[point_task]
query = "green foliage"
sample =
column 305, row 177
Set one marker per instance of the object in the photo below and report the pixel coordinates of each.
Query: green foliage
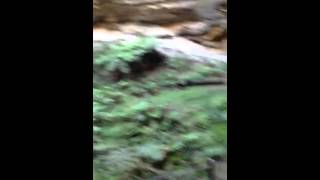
column 142, row 130
column 117, row 57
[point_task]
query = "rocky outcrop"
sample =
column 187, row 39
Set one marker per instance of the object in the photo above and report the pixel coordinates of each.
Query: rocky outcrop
column 202, row 24
column 159, row 11
column 147, row 11
column 204, row 21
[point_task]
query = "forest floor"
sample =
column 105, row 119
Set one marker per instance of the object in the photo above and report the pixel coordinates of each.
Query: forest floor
column 205, row 98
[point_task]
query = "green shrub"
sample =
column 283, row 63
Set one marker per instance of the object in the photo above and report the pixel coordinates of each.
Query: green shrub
column 141, row 130
column 118, row 56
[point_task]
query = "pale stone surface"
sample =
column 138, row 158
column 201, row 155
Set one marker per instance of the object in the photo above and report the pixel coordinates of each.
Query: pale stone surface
column 194, row 29
column 169, row 47
column 111, row 36
column 146, row 30
column 181, row 47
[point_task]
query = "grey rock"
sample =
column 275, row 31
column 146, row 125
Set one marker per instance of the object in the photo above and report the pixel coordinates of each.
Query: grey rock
column 194, row 29
column 181, row 47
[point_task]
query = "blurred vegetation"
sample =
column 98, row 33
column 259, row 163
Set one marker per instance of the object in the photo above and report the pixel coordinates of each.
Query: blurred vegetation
column 145, row 131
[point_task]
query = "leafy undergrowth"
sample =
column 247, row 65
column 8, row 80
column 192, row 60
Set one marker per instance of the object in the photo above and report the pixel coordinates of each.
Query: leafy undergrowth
column 144, row 131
